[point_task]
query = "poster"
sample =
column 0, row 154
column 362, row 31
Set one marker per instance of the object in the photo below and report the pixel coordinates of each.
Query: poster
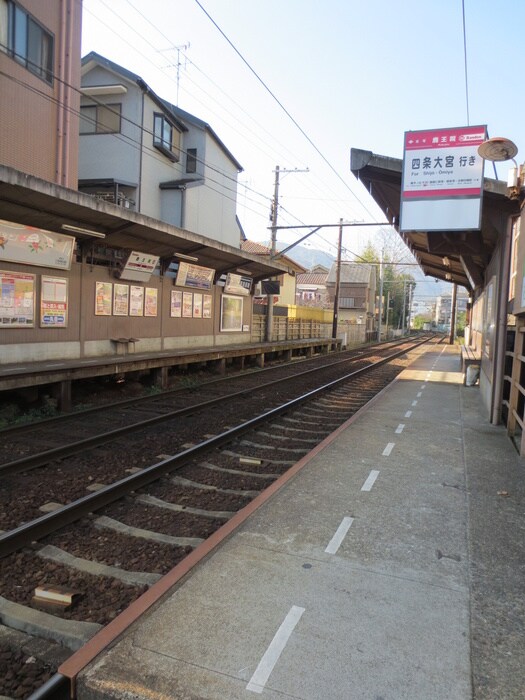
column 194, row 276
column 197, row 305
column 150, row 302
column 206, row 306
column 103, row 292
column 53, row 302
column 120, row 299
column 17, row 300
column 231, row 313
column 35, row 246
column 187, row 305
column 176, row 304
column 136, row 301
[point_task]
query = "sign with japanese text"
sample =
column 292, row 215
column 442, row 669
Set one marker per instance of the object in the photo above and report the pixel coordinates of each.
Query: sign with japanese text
column 53, row 302
column 194, row 276
column 442, row 179
column 237, row 284
column 17, row 300
column 35, row 246
column 139, row 267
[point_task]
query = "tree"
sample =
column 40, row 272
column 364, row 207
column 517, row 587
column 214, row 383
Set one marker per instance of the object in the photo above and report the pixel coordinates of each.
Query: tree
column 396, row 286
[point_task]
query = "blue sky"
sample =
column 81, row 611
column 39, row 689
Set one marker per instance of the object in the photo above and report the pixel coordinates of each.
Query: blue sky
column 350, row 73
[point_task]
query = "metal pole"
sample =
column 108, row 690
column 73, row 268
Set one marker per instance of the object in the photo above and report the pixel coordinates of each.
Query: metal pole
column 273, row 248
column 380, row 306
column 403, row 320
column 453, row 314
column 337, row 281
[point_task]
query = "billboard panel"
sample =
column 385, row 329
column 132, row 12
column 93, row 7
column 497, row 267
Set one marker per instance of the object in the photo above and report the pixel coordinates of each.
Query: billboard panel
column 442, row 179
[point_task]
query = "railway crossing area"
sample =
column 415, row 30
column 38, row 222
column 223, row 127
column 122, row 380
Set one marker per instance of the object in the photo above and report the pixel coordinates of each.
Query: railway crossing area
column 387, row 564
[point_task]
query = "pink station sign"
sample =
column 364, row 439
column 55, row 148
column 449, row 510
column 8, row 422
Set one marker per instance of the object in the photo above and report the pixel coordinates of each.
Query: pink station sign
column 442, row 179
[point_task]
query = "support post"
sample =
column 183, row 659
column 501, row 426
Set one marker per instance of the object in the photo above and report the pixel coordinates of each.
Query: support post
column 337, row 280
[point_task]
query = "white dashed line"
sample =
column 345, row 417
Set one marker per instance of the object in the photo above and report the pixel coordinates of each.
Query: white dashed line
column 408, row 414
column 339, row 536
column 274, row 651
column 370, row 481
column 414, row 403
column 399, row 428
column 419, row 394
column 388, row 449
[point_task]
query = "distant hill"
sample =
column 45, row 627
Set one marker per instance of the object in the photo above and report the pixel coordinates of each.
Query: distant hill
column 308, row 257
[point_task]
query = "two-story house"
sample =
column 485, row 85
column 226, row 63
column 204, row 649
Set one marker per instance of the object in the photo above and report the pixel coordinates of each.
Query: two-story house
column 357, row 286
column 146, row 154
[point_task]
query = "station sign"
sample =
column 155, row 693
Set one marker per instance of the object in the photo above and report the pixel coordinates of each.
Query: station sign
column 238, row 284
column 138, row 267
column 442, row 179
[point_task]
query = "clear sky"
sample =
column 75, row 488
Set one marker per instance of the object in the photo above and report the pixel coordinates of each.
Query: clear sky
column 349, row 73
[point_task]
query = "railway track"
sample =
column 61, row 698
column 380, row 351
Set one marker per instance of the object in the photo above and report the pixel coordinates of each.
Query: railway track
column 119, row 535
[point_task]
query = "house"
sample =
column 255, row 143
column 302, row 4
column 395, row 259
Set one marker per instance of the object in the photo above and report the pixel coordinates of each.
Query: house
column 356, row 294
column 146, row 154
column 311, row 288
column 39, row 67
column 287, row 281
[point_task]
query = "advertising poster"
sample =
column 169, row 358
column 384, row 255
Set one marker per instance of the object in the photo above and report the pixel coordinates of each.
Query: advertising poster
column 206, row 306
column 103, row 292
column 120, row 299
column 197, row 306
column 17, row 300
column 35, row 246
column 187, row 305
column 231, row 313
column 150, row 302
column 136, row 301
column 176, row 304
column 53, row 302
column 194, row 276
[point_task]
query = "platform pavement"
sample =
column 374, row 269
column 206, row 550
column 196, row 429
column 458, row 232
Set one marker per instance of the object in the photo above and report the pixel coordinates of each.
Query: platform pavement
column 384, row 570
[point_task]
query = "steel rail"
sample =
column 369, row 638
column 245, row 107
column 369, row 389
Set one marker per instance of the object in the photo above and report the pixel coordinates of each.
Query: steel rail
column 40, row 459
column 23, row 535
column 20, row 427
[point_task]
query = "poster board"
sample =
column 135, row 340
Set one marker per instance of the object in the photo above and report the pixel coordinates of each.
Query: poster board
column 53, row 302
column 17, row 300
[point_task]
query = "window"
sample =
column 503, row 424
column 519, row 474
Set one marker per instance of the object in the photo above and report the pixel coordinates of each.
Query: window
column 165, row 137
column 100, row 119
column 191, row 160
column 27, row 41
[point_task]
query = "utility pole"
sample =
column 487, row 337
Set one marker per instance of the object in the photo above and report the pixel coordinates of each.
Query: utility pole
column 337, row 280
column 273, row 250
column 273, row 245
column 380, row 306
column 453, row 314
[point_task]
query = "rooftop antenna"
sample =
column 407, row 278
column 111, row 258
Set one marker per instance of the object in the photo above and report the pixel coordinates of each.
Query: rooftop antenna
column 178, row 64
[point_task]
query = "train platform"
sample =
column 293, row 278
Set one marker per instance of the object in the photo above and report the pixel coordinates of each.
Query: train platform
column 387, row 565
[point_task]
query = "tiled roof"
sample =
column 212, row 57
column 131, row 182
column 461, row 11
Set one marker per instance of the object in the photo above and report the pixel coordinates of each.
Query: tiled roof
column 351, row 273
column 315, row 278
column 259, row 249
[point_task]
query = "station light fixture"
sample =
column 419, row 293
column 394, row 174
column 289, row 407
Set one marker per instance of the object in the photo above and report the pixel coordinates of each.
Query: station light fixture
column 86, row 231
column 183, row 256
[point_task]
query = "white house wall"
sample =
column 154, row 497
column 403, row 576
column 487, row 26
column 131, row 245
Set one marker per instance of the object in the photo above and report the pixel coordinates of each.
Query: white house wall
column 114, row 156
column 156, row 168
column 210, row 208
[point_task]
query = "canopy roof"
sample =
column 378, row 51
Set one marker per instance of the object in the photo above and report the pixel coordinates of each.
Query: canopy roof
column 454, row 256
column 28, row 200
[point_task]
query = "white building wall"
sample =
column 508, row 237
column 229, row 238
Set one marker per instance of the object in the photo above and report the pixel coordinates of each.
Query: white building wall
column 210, row 207
column 114, row 156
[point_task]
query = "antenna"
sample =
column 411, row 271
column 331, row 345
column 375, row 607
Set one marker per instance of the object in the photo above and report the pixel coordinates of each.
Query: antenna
column 178, row 64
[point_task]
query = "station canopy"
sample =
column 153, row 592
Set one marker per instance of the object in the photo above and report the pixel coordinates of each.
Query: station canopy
column 28, row 200
column 453, row 256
